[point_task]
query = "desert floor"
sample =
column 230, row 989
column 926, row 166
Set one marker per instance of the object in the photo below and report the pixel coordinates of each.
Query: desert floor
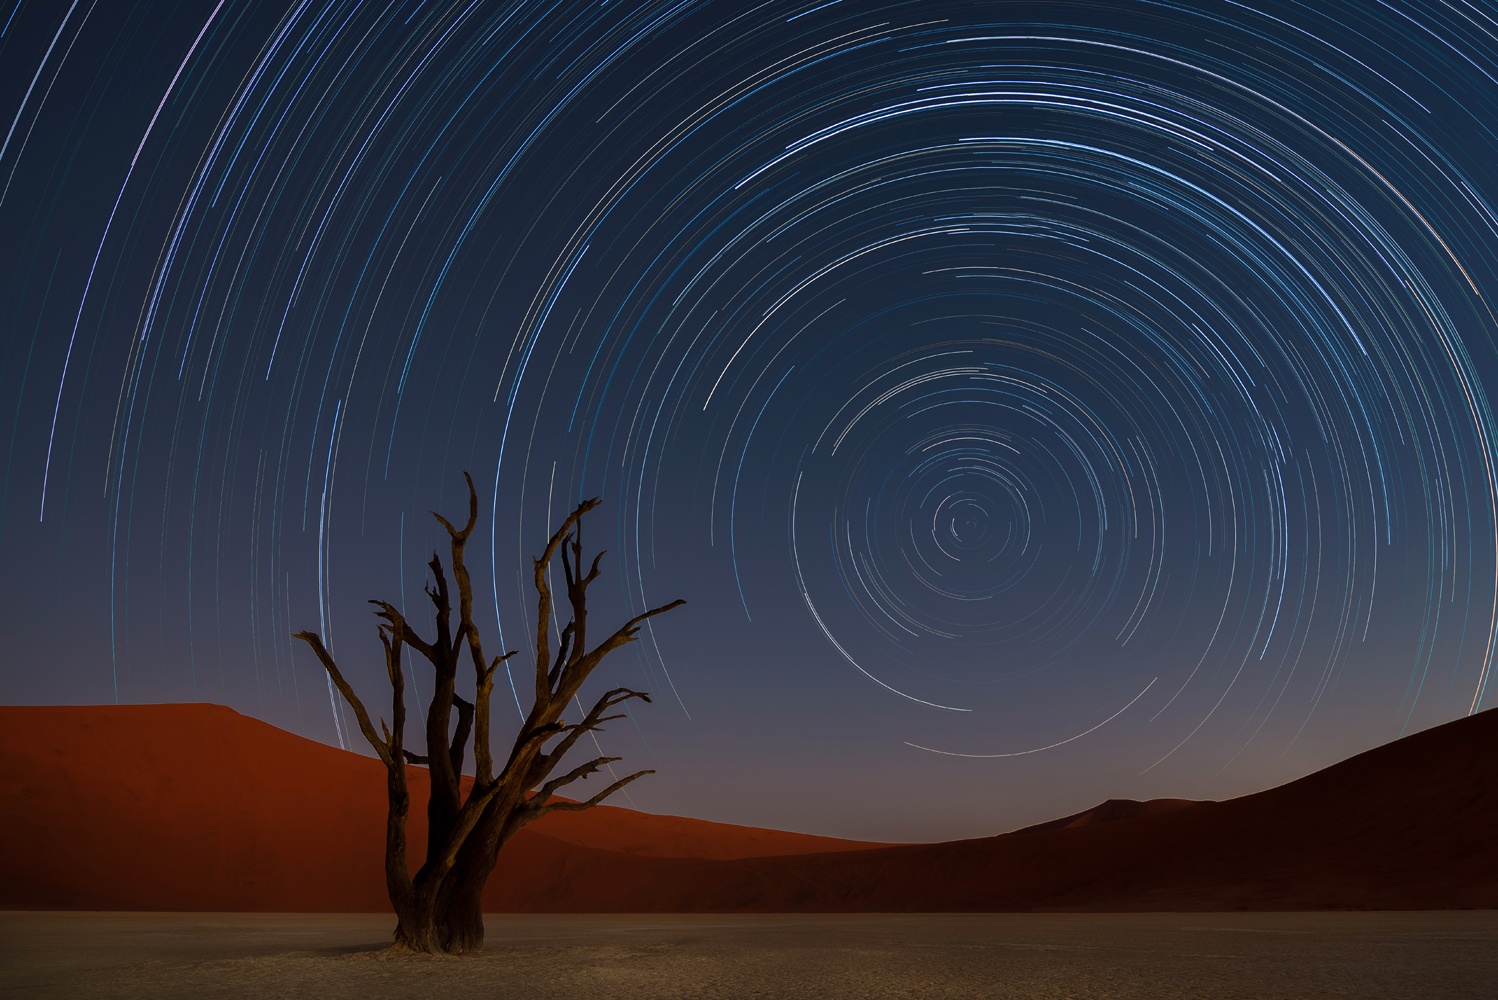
column 1363, row 955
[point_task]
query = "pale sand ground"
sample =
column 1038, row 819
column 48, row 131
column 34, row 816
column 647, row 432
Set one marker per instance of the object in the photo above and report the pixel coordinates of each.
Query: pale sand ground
column 1262, row 955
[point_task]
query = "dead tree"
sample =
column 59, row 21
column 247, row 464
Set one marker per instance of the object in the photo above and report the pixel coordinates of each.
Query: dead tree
column 439, row 909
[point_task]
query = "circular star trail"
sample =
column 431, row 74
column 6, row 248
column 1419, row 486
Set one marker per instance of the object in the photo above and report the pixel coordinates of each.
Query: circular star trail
column 1092, row 389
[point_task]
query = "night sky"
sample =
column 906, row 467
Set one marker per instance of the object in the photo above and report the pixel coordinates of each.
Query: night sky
column 1036, row 402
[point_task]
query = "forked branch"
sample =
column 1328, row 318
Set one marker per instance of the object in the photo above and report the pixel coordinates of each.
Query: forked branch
column 380, row 746
column 592, row 722
column 547, row 807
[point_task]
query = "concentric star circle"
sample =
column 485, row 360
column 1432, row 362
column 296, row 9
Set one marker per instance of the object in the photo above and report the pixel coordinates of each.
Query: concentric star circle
column 1012, row 376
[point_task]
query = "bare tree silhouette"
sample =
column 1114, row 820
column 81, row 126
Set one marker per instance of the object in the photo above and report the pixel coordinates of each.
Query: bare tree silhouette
column 439, row 909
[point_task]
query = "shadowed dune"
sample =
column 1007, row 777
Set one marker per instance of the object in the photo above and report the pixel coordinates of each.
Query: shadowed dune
column 196, row 807
column 1112, row 811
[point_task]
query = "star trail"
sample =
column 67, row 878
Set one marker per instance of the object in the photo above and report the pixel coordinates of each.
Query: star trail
column 1036, row 402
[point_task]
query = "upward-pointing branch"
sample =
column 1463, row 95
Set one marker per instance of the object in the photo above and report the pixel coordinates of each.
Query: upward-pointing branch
column 543, row 609
column 344, row 688
column 584, row 664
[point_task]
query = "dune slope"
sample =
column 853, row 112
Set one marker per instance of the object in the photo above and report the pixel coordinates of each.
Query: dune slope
column 197, row 807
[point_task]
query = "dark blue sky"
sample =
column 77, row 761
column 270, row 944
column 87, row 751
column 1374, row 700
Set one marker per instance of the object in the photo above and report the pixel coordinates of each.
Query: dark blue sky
column 1037, row 403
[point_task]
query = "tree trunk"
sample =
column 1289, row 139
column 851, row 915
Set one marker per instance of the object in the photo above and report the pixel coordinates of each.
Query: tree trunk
column 450, row 924
column 462, row 918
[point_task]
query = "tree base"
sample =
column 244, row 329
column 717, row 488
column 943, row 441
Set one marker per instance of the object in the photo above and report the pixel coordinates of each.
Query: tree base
column 457, row 931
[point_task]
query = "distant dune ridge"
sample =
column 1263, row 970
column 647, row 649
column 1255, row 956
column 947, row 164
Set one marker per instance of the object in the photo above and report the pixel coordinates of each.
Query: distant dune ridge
column 196, row 807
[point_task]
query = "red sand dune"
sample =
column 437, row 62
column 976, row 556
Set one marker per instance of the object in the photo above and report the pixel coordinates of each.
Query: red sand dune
column 197, row 807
